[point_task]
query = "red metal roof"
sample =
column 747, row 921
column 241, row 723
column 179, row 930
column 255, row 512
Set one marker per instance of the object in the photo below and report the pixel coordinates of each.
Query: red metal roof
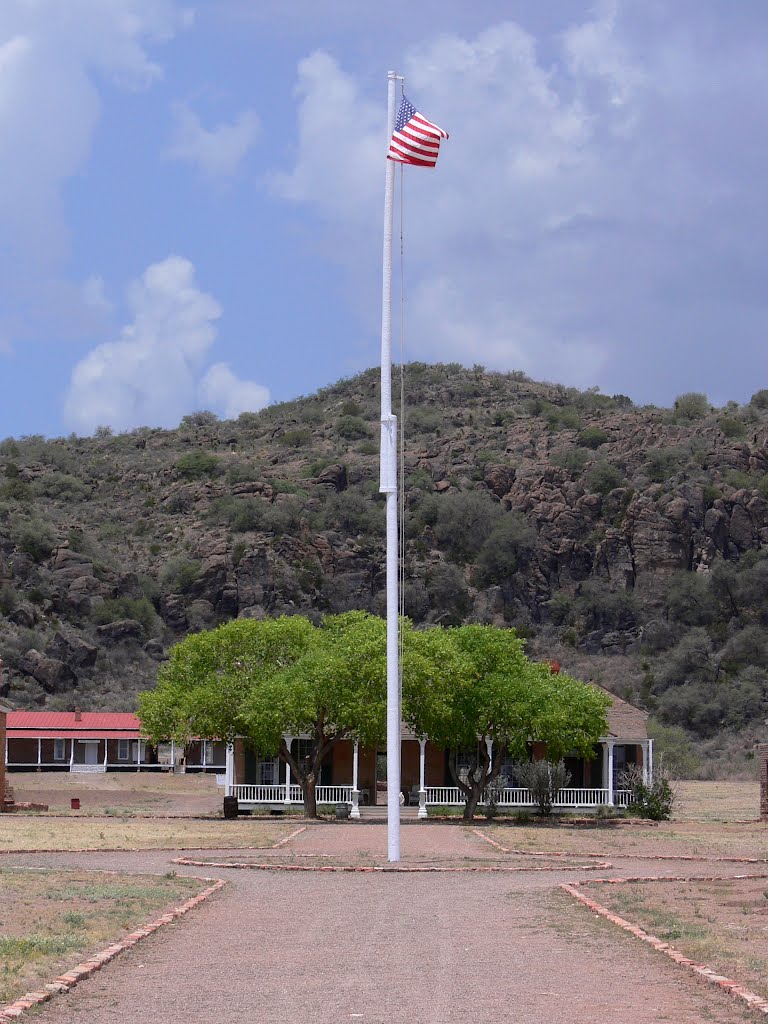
column 64, row 725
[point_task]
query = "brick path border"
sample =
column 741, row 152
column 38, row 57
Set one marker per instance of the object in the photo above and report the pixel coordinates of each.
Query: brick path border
column 733, row 988
column 381, row 868
column 68, row 980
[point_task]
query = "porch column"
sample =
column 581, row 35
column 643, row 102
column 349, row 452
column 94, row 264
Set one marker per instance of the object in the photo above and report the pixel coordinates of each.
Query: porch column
column 106, row 752
column 39, row 753
column 644, row 748
column 355, row 812
column 138, row 755
column 229, row 769
column 173, row 756
column 287, row 800
column 204, row 754
column 610, row 773
column 650, row 761
column 71, row 753
column 422, row 791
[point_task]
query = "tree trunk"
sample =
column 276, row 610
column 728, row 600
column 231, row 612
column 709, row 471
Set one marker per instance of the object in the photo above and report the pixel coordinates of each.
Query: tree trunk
column 308, row 784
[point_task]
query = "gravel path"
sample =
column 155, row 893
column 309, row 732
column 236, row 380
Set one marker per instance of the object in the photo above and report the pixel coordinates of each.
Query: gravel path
column 423, row 948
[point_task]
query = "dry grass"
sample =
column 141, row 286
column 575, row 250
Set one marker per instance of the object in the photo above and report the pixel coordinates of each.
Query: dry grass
column 717, row 801
column 722, row 924
column 48, row 919
column 33, row 832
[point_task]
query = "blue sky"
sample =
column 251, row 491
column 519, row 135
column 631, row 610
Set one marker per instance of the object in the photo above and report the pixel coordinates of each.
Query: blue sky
column 191, row 199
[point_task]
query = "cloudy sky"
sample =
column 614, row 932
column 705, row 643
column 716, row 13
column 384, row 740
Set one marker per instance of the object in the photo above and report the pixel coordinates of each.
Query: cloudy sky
column 191, row 199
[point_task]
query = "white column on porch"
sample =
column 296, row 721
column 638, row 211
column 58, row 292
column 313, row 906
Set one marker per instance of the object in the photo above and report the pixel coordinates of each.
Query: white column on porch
column 39, row 751
column 610, row 773
column 650, row 761
column 288, row 741
column 422, row 765
column 138, row 755
column 71, row 753
column 644, row 748
column 355, row 812
column 173, row 756
column 489, row 748
column 106, row 752
column 229, row 769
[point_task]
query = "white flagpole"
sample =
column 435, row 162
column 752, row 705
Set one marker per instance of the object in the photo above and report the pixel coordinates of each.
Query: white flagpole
column 388, row 486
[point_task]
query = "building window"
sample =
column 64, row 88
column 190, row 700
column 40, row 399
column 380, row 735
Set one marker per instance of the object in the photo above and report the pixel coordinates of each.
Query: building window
column 123, row 750
column 207, row 752
column 303, row 751
column 59, row 750
column 267, row 773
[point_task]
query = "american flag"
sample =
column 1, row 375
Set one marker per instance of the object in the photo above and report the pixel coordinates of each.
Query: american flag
column 415, row 139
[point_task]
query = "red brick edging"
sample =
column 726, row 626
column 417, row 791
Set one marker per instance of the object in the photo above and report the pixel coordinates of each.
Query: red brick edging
column 69, row 979
column 378, row 868
column 733, row 988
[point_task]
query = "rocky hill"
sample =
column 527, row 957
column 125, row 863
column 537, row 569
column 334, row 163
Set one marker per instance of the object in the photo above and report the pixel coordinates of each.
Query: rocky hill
column 629, row 543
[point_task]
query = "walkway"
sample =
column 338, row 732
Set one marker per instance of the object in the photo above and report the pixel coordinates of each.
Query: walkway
column 325, row 948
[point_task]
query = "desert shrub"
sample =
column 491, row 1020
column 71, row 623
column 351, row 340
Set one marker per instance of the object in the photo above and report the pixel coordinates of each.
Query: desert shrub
column 760, row 399
column 689, row 600
column 35, row 538
column 662, row 463
column 449, row 600
column 604, row 477
column 572, row 460
column 543, row 780
column 179, row 575
column 296, row 438
column 140, row 609
column 62, row 486
column 592, row 437
column 464, row 523
column 731, row 426
column 353, row 513
column 201, row 418
column 653, row 799
column 419, row 420
column 673, row 746
column 242, row 472
column 507, row 548
column 352, row 428
column 197, row 464
column 8, row 599
column 600, row 608
column 693, row 405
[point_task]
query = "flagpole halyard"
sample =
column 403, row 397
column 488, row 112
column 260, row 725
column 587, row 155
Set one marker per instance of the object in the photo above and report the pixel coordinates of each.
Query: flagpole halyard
column 388, row 486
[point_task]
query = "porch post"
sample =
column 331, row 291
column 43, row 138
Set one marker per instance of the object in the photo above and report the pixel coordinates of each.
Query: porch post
column 138, row 755
column 610, row 773
column 355, row 812
column 173, row 756
column 106, row 752
column 644, row 748
column 71, row 753
column 39, row 751
column 229, row 770
column 650, row 761
column 287, row 800
column 422, row 791
column 204, row 754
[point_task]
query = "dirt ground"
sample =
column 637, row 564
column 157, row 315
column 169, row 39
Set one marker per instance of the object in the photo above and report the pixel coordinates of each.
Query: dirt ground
column 152, row 793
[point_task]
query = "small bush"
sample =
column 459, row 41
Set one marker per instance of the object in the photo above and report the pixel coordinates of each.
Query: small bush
column 604, row 477
column 760, row 399
column 294, row 438
column 693, row 405
column 35, row 538
column 653, row 799
column 198, row 464
column 352, row 428
column 179, row 575
column 543, row 780
column 731, row 427
column 592, row 437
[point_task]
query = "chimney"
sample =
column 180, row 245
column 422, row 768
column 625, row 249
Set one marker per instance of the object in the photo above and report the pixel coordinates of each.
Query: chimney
column 78, row 715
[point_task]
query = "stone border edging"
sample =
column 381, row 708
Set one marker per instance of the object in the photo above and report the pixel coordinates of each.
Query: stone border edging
column 68, row 980
column 733, row 988
column 284, row 841
column 380, row 869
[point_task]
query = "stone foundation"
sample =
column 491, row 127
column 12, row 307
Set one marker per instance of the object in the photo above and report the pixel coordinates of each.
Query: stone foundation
column 762, row 754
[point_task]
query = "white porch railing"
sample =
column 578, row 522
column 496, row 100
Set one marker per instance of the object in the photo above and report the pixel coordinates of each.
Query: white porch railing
column 91, row 769
column 451, row 796
column 256, row 794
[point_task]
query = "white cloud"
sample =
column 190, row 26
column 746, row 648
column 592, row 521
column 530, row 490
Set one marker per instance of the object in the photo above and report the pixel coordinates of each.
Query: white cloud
column 155, row 373
column 221, row 389
column 586, row 201
column 94, row 294
column 218, row 151
column 50, row 53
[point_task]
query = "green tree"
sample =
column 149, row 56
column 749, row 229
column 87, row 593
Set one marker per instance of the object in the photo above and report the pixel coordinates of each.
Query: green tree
column 472, row 684
column 265, row 680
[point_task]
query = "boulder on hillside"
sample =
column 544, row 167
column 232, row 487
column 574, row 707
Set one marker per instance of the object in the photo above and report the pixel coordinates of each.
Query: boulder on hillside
column 72, row 650
column 121, row 630
column 334, row 476
column 499, row 479
column 53, row 675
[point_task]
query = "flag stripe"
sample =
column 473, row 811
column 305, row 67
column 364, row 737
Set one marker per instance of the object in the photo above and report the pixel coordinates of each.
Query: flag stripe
column 415, row 140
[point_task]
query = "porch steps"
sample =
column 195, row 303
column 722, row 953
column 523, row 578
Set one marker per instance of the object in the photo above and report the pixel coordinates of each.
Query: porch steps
column 379, row 813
